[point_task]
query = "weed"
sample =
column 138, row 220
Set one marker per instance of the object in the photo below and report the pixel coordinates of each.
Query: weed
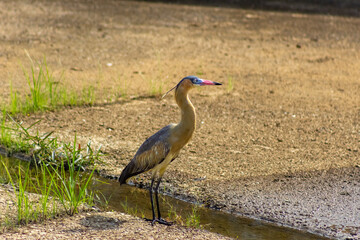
column 199, row 73
column 72, row 187
column 88, row 96
column 155, row 87
column 43, row 89
column 101, row 200
column 10, row 138
column 230, row 85
column 53, row 160
column 142, row 214
column 7, row 223
column 173, row 216
column 129, row 210
column 7, row 220
column 193, row 219
column 14, row 101
column 55, row 174
column 45, row 189
column 124, row 88
column 26, row 211
column 69, row 187
column 46, row 91
column 5, row 136
column 44, row 147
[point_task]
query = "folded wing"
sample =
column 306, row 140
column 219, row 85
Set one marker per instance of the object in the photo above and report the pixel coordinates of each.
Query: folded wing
column 150, row 154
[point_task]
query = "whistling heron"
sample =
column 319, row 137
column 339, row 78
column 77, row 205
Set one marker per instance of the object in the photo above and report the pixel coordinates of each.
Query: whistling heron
column 163, row 147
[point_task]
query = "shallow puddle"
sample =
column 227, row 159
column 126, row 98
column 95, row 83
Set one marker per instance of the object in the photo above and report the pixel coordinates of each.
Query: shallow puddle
column 137, row 202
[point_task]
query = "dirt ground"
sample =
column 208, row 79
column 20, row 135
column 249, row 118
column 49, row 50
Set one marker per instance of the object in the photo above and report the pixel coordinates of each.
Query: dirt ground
column 278, row 141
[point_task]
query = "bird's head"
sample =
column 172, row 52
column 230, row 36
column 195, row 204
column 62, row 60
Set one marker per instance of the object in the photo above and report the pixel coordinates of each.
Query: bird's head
column 191, row 81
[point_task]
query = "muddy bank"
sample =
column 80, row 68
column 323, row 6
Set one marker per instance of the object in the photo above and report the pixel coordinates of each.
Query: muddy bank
column 325, row 202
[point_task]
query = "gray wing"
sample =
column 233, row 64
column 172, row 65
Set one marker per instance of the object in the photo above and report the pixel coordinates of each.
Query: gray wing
column 151, row 153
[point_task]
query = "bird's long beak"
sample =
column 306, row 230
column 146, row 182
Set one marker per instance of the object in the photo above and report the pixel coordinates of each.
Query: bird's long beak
column 208, row 82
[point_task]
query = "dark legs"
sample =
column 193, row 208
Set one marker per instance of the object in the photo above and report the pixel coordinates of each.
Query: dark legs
column 151, row 199
column 157, row 199
column 159, row 219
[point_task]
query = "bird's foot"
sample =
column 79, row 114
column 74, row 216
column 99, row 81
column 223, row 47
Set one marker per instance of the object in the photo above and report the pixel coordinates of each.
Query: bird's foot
column 161, row 221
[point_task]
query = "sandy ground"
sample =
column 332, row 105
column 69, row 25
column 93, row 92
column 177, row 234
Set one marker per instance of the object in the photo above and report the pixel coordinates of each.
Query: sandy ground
column 282, row 144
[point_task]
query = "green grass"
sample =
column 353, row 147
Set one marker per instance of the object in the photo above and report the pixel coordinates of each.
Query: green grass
column 131, row 210
column 71, row 186
column 174, row 216
column 46, row 91
column 230, row 85
column 56, row 177
column 193, row 219
column 14, row 101
column 57, row 174
column 22, row 179
column 43, row 87
column 155, row 86
column 123, row 89
column 15, row 137
column 11, row 137
column 155, row 78
column 5, row 136
column 63, row 186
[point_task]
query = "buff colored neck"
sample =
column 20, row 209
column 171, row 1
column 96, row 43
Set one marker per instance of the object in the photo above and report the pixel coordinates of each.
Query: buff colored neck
column 185, row 128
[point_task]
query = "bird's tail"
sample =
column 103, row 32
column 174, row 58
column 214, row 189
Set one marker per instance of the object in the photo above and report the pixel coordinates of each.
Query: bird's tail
column 128, row 172
column 123, row 176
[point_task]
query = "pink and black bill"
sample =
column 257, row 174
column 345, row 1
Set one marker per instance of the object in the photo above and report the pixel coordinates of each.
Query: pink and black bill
column 201, row 82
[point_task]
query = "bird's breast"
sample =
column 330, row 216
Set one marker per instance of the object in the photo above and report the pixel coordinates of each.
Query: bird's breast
column 179, row 139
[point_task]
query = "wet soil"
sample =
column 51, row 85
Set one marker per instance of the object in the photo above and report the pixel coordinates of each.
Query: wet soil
column 280, row 143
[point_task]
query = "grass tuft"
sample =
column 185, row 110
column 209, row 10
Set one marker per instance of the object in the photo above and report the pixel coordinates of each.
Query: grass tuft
column 11, row 137
column 130, row 210
column 71, row 186
column 15, row 137
column 55, row 186
column 193, row 219
column 43, row 89
column 21, row 181
column 230, row 85
column 56, row 176
column 46, row 92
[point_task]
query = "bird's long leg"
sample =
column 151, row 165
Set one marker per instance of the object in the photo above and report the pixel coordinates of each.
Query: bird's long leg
column 159, row 220
column 157, row 199
column 151, row 199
